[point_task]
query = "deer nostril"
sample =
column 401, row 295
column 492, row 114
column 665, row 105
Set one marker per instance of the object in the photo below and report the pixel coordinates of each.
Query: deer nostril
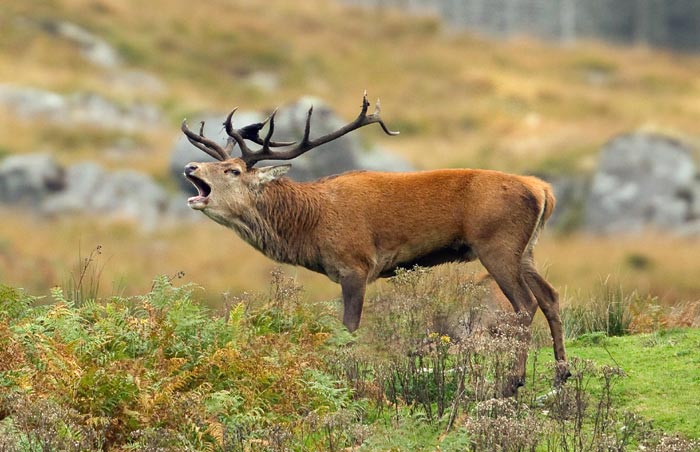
column 190, row 168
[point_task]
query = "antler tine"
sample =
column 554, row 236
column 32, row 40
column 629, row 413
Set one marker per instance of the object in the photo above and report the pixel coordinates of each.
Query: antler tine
column 235, row 135
column 307, row 125
column 267, row 142
column 203, row 143
column 376, row 114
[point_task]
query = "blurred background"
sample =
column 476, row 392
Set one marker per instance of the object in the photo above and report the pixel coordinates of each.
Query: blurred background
column 599, row 97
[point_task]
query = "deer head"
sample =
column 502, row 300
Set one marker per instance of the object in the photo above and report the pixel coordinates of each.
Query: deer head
column 231, row 182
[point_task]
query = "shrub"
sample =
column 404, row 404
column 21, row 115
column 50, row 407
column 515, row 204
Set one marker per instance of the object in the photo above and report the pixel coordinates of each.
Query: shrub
column 163, row 366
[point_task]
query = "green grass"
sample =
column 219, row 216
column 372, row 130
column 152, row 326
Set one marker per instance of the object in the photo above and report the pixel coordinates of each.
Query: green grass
column 662, row 371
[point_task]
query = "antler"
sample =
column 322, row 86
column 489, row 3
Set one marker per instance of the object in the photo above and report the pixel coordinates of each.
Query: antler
column 205, row 144
column 249, row 132
column 252, row 133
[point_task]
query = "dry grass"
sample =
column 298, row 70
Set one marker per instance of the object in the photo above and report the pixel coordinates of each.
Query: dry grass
column 662, row 266
column 37, row 254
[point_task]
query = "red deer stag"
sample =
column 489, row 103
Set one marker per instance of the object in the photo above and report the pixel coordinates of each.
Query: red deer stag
column 360, row 226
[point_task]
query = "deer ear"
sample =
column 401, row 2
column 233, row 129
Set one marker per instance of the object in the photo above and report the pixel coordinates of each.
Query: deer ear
column 269, row 173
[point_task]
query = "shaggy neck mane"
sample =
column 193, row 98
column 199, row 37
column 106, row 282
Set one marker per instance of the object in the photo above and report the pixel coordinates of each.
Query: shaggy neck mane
column 284, row 220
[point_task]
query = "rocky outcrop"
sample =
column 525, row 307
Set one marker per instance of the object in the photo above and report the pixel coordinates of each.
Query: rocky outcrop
column 94, row 49
column 644, row 180
column 76, row 109
column 26, row 180
column 120, row 195
column 36, row 182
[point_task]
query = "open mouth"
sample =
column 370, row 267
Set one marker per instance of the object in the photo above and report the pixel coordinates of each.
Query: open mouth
column 203, row 189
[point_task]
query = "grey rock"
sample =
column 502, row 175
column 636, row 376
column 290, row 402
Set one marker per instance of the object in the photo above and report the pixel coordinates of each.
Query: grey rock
column 32, row 103
column 343, row 154
column 119, row 195
column 643, row 180
column 83, row 180
column 571, row 192
column 331, row 158
column 692, row 195
column 94, row 49
column 92, row 109
column 77, row 109
column 28, row 179
column 689, row 229
column 38, row 183
column 133, row 196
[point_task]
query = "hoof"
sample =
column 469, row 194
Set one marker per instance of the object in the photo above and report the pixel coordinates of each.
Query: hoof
column 512, row 386
column 562, row 373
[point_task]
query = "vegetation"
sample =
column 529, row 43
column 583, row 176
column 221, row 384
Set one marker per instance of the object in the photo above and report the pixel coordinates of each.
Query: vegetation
column 273, row 372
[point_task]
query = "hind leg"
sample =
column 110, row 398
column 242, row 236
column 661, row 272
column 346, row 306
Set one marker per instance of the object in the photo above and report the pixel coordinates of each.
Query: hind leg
column 508, row 275
column 548, row 301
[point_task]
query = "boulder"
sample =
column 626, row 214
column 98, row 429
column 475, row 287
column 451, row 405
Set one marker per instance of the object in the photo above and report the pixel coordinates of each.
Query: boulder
column 331, row 158
column 38, row 183
column 344, row 154
column 32, row 103
column 80, row 108
column 93, row 48
column 122, row 195
column 27, row 179
column 82, row 181
column 571, row 192
column 643, row 180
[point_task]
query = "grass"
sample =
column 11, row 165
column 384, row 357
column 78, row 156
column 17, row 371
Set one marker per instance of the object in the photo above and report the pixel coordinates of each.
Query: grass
column 273, row 371
column 33, row 258
column 659, row 367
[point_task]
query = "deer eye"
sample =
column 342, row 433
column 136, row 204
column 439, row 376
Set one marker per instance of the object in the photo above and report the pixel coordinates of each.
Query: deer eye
column 235, row 172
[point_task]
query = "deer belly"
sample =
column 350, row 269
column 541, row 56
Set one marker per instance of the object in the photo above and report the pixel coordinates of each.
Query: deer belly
column 443, row 255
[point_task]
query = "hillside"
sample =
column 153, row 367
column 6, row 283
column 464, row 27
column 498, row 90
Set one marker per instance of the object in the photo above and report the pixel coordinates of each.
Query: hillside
column 458, row 100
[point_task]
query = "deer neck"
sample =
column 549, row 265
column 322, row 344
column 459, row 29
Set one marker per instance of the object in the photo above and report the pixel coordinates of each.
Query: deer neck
column 282, row 222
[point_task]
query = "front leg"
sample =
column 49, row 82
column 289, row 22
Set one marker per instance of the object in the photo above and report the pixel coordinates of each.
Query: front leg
column 353, row 286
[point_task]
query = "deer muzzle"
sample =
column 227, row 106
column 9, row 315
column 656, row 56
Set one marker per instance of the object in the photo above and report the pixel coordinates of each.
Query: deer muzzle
column 201, row 200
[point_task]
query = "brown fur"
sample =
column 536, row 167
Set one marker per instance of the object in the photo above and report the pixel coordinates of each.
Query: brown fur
column 359, row 226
